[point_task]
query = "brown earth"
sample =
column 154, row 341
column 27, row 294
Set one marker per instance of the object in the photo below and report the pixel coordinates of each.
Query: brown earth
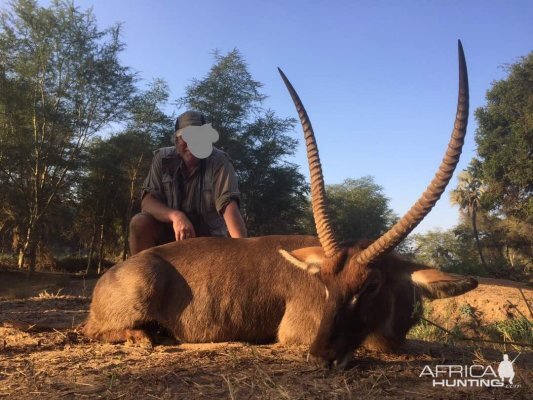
column 44, row 355
column 492, row 301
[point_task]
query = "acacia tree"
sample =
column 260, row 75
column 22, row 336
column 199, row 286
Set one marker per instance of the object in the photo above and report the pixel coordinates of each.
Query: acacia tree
column 110, row 188
column 445, row 250
column 273, row 190
column 62, row 83
column 108, row 191
column 358, row 209
column 149, row 125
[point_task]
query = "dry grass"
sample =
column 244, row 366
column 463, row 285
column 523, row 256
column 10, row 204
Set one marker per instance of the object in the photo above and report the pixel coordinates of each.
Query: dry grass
column 230, row 371
column 58, row 362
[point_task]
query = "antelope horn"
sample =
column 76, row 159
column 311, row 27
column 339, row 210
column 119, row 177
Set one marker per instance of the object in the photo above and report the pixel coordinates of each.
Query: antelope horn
column 425, row 203
column 318, row 191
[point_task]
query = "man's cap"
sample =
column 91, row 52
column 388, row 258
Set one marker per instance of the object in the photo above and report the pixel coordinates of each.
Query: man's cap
column 189, row 118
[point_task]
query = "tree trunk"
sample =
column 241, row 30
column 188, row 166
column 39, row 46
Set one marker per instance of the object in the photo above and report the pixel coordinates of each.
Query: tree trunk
column 510, row 256
column 21, row 258
column 101, row 249
column 91, row 250
column 15, row 243
column 28, row 249
column 126, row 229
column 476, row 236
column 32, row 256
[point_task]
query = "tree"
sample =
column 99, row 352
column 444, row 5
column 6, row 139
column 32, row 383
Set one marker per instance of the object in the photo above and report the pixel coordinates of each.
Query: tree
column 146, row 114
column 467, row 196
column 110, row 188
column 273, row 190
column 148, row 125
column 504, row 166
column 516, row 243
column 107, row 192
column 505, row 142
column 62, row 82
column 358, row 209
column 445, row 250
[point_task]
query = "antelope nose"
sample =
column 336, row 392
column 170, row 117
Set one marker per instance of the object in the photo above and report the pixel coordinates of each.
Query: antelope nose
column 319, row 361
column 327, row 353
column 330, row 359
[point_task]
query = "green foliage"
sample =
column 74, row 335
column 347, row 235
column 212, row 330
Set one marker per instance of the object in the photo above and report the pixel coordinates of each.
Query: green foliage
column 502, row 242
column 505, row 141
column 61, row 82
column 468, row 196
column 495, row 191
column 511, row 330
column 444, row 250
column 518, row 330
column 505, row 242
column 273, row 190
column 146, row 115
column 466, row 310
column 424, row 330
column 358, row 209
column 110, row 188
column 455, row 251
column 104, row 192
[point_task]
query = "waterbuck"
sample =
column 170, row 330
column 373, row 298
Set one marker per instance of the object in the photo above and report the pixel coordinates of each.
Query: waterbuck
column 293, row 289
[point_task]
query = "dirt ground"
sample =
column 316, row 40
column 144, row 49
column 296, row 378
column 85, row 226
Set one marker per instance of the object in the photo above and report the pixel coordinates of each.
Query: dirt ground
column 44, row 355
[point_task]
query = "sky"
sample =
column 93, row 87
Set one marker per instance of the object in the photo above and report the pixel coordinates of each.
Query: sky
column 378, row 78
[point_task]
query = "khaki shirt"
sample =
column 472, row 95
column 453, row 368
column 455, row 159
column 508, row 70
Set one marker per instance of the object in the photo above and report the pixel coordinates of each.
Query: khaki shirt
column 202, row 196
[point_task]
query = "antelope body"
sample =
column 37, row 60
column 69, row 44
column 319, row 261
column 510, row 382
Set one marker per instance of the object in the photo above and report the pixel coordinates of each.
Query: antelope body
column 294, row 289
column 220, row 289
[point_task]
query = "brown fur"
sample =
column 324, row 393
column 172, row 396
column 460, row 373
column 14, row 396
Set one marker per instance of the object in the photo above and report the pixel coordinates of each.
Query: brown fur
column 210, row 290
column 219, row 289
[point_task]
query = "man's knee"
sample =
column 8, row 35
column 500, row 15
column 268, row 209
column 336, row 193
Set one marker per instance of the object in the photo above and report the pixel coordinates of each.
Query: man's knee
column 143, row 232
column 143, row 224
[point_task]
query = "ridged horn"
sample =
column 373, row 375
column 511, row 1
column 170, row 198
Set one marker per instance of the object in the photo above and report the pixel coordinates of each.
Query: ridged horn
column 425, row 203
column 318, row 190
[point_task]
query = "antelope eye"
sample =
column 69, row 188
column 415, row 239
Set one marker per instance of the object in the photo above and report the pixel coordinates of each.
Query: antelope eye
column 372, row 287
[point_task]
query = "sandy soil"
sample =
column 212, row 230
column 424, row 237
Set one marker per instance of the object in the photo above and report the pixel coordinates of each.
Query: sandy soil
column 44, row 355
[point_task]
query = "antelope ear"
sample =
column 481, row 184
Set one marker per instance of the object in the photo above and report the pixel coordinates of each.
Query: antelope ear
column 435, row 284
column 307, row 258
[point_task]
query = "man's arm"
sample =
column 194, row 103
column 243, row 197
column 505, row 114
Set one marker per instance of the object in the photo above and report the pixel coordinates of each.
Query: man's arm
column 183, row 228
column 234, row 222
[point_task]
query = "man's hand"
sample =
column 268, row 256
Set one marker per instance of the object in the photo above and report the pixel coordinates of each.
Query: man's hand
column 183, row 228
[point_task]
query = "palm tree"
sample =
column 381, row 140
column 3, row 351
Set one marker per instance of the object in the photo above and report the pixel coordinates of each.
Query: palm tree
column 467, row 196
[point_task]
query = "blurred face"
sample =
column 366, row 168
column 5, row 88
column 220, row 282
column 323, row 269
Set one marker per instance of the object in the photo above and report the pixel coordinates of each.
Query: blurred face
column 185, row 153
